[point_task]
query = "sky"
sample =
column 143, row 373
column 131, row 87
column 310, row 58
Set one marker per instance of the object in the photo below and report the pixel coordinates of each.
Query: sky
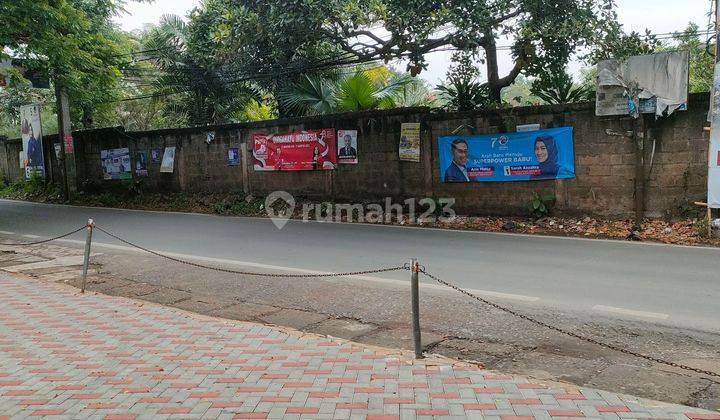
column 660, row 16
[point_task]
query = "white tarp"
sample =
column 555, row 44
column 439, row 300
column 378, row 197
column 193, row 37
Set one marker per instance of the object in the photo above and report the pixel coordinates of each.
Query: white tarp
column 714, row 150
column 660, row 78
column 168, row 160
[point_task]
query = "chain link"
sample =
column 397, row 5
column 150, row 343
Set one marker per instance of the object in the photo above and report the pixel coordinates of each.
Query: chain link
column 405, row 266
column 570, row 333
column 46, row 240
column 249, row 273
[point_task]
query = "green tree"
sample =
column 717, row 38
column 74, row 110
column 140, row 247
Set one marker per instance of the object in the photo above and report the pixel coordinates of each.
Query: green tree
column 559, row 88
column 519, row 93
column 73, row 42
column 17, row 94
column 618, row 45
column 702, row 63
column 185, row 68
column 462, row 90
column 360, row 90
column 299, row 36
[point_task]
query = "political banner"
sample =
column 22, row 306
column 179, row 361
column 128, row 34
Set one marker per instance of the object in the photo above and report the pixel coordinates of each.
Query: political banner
column 410, row 142
column 31, row 130
column 525, row 156
column 116, row 163
column 297, row 151
column 168, row 160
column 156, row 155
column 233, row 156
column 347, row 146
column 141, row 164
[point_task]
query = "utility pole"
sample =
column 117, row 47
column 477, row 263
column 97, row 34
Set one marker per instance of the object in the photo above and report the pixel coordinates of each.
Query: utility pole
column 714, row 146
column 717, row 30
column 68, row 172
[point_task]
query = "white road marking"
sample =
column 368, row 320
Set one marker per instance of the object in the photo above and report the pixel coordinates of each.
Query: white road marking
column 395, row 282
column 5, row 232
column 630, row 312
column 31, row 236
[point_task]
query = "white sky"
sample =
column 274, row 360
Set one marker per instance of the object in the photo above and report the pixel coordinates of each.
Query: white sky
column 660, row 16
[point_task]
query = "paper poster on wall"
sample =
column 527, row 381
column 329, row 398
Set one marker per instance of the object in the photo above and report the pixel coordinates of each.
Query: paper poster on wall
column 210, row 137
column 297, row 151
column 347, row 146
column 22, row 159
column 58, row 148
column 168, row 160
column 528, row 156
column 233, row 156
column 116, row 163
column 31, row 130
column 410, row 142
column 156, row 155
column 69, row 144
column 141, row 164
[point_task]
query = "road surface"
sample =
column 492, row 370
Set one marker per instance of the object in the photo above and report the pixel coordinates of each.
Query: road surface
column 673, row 285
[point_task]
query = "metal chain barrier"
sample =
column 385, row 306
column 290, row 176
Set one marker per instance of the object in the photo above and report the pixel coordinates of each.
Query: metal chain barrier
column 405, row 266
column 249, row 273
column 570, row 333
column 46, row 240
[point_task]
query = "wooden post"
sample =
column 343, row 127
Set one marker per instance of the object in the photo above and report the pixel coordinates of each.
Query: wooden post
column 639, row 141
column 63, row 117
column 709, row 218
column 245, row 172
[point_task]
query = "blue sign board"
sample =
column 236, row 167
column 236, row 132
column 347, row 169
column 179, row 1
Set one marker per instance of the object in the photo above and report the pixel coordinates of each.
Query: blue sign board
column 527, row 156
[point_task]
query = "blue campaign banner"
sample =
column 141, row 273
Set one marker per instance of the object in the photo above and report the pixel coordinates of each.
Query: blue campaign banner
column 527, row 156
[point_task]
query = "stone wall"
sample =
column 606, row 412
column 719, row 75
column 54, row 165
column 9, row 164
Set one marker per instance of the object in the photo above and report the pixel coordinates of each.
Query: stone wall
column 604, row 163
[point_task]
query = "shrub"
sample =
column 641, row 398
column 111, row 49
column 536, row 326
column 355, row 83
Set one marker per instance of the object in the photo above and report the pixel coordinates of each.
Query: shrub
column 539, row 206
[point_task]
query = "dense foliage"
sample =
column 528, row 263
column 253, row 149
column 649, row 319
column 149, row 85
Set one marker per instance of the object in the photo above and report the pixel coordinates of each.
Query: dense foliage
column 231, row 61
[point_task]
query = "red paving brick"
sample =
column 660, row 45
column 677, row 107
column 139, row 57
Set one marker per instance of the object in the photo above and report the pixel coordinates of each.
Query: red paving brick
column 566, row 413
column 167, row 358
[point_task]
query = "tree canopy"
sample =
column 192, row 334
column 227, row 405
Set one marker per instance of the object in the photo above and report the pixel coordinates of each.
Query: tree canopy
column 73, row 42
column 231, row 60
column 303, row 35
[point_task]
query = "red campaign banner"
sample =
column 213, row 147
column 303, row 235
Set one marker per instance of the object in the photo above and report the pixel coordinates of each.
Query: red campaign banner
column 481, row 172
column 522, row 170
column 297, row 151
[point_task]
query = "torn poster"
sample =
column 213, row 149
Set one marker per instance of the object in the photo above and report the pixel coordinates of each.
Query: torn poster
column 660, row 81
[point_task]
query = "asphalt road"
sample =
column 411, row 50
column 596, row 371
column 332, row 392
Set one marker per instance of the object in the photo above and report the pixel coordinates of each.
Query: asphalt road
column 672, row 285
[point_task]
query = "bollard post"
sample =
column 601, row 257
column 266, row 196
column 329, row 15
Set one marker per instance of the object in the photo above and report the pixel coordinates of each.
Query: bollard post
column 86, row 261
column 415, row 294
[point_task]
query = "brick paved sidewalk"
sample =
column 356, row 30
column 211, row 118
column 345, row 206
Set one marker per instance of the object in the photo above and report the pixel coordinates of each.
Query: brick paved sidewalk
column 95, row 356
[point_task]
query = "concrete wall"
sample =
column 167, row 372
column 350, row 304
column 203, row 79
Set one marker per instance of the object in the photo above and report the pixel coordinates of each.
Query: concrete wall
column 604, row 163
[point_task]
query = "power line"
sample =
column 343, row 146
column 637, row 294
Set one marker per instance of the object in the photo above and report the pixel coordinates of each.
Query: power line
column 340, row 60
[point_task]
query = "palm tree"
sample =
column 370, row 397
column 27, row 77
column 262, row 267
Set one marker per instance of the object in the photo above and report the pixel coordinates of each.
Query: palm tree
column 464, row 94
column 559, row 88
column 202, row 94
column 360, row 90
